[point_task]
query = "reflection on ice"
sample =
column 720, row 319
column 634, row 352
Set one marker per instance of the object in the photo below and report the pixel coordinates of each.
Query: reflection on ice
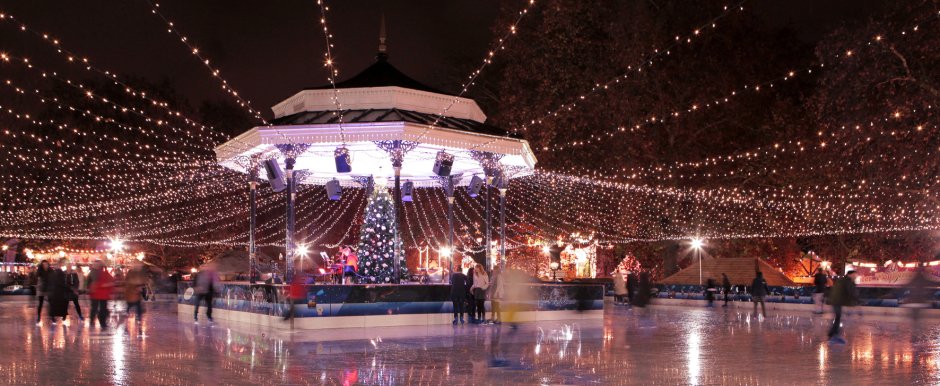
column 659, row 346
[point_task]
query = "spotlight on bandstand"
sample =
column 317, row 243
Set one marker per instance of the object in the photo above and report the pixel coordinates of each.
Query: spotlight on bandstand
column 343, row 160
column 474, row 188
column 275, row 175
column 443, row 163
column 333, row 190
column 407, row 190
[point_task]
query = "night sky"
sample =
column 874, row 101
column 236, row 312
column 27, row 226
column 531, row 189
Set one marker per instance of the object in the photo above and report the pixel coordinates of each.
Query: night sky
column 270, row 49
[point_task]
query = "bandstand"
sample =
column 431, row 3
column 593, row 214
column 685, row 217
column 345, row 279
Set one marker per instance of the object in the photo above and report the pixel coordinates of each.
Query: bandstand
column 378, row 125
column 380, row 128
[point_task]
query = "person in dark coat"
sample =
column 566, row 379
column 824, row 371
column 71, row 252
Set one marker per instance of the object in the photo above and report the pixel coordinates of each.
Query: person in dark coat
column 819, row 280
column 471, row 306
column 631, row 286
column 459, row 287
column 644, row 291
column 726, row 287
column 758, row 291
column 844, row 294
column 73, row 282
column 41, row 286
column 58, row 291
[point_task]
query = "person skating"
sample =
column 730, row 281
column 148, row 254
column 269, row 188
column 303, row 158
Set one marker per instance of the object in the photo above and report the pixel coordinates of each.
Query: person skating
column 726, row 288
column 100, row 285
column 819, row 280
column 58, row 291
column 41, row 274
column 481, row 282
column 471, row 306
column 133, row 283
column 207, row 282
column 74, row 284
column 620, row 287
column 844, row 294
column 458, row 294
column 758, row 291
column 496, row 293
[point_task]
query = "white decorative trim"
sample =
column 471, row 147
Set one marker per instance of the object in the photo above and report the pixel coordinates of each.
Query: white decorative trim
column 380, row 98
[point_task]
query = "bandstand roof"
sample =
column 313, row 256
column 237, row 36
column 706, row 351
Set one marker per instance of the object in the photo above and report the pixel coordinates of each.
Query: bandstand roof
column 378, row 105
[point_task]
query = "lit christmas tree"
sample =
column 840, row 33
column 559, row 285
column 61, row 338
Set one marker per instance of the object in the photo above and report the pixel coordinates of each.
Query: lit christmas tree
column 378, row 239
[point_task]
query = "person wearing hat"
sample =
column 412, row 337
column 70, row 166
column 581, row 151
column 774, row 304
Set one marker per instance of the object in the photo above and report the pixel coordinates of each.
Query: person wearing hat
column 844, row 294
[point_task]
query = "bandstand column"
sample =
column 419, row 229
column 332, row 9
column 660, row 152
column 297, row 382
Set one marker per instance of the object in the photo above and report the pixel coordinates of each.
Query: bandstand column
column 450, row 223
column 252, row 223
column 502, row 228
column 396, row 164
column 289, row 242
column 489, row 221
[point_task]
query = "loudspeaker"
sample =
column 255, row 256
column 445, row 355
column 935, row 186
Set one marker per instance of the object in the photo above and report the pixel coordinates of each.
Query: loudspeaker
column 333, row 190
column 501, row 182
column 475, row 184
column 496, row 175
column 406, row 191
column 343, row 160
column 443, row 163
column 275, row 175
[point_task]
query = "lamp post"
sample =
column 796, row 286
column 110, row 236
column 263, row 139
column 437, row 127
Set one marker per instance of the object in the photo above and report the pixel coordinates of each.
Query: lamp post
column 697, row 244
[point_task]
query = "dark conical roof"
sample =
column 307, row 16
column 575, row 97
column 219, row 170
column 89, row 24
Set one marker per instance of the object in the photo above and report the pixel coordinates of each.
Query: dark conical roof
column 381, row 74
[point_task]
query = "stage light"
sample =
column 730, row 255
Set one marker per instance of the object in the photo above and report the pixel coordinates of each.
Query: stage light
column 275, row 175
column 473, row 189
column 407, row 190
column 343, row 160
column 333, row 190
column 443, row 163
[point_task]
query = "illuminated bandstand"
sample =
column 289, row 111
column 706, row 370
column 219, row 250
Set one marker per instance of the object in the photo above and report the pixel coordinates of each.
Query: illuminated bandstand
column 379, row 124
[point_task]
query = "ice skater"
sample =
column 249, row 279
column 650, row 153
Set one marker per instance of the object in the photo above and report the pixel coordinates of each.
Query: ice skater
column 726, row 288
column 820, row 280
column 458, row 294
column 758, row 291
column 843, row 294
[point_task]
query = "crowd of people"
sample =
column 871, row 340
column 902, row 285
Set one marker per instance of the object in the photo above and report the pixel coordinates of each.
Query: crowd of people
column 61, row 284
column 468, row 293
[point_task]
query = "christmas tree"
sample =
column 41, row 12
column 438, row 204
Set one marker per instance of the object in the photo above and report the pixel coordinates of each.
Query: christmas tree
column 378, row 240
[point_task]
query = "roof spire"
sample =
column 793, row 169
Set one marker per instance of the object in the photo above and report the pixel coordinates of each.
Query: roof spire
column 382, row 55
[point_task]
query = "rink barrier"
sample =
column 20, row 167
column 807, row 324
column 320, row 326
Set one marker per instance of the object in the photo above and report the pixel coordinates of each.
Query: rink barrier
column 335, row 306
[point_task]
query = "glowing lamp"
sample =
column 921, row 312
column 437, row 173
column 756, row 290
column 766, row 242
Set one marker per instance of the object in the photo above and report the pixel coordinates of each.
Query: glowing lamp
column 553, row 265
column 194, row 270
column 117, row 244
column 546, row 249
column 445, row 251
column 302, row 250
column 697, row 243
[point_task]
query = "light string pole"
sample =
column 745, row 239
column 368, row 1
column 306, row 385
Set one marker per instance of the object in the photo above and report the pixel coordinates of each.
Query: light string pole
column 503, row 187
column 450, row 221
column 291, row 152
column 252, row 220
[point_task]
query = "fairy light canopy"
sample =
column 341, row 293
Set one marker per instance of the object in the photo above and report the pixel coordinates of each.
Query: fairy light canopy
column 367, row 114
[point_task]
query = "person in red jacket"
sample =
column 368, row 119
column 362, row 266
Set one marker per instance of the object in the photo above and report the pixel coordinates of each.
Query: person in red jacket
column 100, row 286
